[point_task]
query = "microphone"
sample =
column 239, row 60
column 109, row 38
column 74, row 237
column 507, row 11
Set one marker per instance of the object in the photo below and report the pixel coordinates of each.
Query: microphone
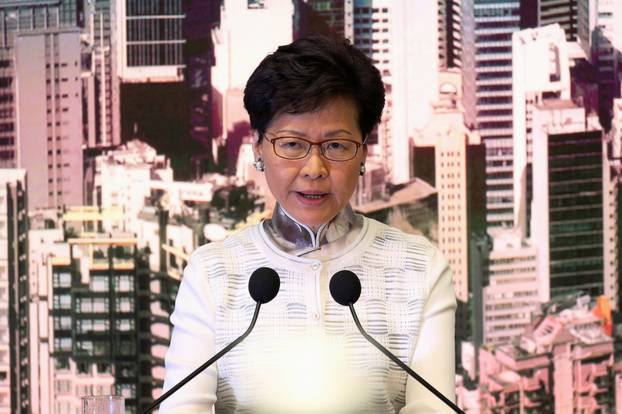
column 263, row 286
column 345, row 288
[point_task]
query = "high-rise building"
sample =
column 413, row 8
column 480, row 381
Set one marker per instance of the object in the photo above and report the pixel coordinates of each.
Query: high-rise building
column 48, row 97
column 449, row 33
column 235, row 61
column 612, row 198
column 102, row 86
column 14, row 312
column 337, row 14
column 200, row 18
column 562, row 12
column 100, row 299
column 568, row 209
column 599, row 32
column 540, row 71
column 149, row 41
column 512, row 293
column 487, row 28
column 47, row 392
column 405, row 51
column 449, row 156
column 16, row 17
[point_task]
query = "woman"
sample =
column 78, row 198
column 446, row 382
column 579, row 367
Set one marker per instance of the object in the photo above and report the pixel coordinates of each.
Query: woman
column 312, row 104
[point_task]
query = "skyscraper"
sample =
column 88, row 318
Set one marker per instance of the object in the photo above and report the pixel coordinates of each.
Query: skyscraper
column 449, row 33
column 103, row 85
column 487, row 28
column 405, row 51
column 599, row 32
column 562, row 12
column 16, row 16
column 540, row 71
column 235, row 61
column 568, row 209
column 99, row 292
column 14, row 312
column 48, row 96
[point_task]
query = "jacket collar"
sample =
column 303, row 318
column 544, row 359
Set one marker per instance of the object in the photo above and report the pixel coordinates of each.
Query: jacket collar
column 298, row 239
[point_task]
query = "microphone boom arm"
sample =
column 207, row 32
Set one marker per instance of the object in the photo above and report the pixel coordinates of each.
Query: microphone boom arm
column 206, row 364
column 401, row 364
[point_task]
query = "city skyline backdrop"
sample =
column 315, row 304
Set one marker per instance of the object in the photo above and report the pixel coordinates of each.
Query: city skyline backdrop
column 124, row 145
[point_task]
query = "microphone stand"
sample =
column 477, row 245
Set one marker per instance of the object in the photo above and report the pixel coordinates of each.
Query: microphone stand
column 207, row 364
column 401, row 364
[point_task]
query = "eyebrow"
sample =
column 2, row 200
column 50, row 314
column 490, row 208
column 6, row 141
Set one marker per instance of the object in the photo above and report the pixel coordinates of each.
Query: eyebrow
column 327, row 134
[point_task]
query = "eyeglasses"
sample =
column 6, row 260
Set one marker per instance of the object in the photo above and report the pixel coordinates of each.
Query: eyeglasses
column 294, row 148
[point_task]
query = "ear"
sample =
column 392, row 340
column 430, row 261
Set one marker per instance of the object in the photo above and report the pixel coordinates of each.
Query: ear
column 364, row 153
column 256, row 145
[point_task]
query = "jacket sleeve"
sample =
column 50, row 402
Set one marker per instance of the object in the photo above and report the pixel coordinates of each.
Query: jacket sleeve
column 434, row 354
column 192, row 344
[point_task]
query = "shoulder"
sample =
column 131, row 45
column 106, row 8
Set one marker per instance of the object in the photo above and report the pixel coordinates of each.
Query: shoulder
column 385, row 236
column 234, row 245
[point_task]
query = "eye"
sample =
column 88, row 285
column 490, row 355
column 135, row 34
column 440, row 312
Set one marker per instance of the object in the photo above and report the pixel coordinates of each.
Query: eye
column 335, row 145
column 290, row 143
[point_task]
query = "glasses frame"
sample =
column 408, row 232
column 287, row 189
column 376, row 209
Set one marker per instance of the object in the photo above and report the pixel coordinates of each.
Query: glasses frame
column 311, row 144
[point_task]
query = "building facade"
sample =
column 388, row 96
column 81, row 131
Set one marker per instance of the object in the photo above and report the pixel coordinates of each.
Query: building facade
column 487, row 28
column 512, row 293
column 541, row 71
column 568, row 209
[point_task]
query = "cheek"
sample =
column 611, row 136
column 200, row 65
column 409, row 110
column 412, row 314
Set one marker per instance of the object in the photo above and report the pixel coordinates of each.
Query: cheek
column 279, row 178
column 344, row 183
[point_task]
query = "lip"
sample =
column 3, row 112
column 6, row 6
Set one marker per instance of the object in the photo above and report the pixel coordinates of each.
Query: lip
column 312, row 192
column 311, row 202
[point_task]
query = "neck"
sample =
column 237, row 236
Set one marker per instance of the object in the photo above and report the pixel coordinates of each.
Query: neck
column 299, row 239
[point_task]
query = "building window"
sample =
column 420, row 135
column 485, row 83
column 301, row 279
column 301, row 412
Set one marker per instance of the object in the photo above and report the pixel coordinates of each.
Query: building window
column 124, row 305
column 125, row 325
column 99, row 284
column 125, row 283
column 62, row 301
column 62, row 280
column 62, row 323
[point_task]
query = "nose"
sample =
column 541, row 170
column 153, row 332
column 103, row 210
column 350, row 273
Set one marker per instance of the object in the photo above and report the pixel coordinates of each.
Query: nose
column 315, row 165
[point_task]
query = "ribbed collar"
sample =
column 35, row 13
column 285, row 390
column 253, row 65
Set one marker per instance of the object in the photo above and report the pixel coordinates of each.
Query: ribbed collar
column 298, row 239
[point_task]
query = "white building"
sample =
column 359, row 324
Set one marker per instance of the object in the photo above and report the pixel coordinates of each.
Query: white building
column 405, row 51
column 512, row 292
column 540, row 70
column 149, row 40
column 127, row 177
column 238, row 49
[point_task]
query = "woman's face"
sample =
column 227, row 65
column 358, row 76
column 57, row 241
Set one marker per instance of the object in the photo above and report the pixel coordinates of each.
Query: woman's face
column 313, row 189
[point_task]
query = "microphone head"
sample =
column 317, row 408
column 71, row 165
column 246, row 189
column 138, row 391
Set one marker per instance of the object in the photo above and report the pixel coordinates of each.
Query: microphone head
column 264, row 284
column 345, row 287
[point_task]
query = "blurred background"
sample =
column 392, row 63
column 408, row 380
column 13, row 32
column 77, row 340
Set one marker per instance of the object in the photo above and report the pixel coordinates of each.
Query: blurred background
column 124, row 145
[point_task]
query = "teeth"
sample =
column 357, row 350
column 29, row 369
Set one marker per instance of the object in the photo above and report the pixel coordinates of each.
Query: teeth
column 312, row 196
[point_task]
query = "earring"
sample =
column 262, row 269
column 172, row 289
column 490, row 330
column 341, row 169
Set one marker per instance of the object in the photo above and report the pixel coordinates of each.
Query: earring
column 362, row 169
column 259, row 165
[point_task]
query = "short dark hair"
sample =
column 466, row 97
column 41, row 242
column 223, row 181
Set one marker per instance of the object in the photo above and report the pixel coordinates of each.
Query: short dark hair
column 308, row 73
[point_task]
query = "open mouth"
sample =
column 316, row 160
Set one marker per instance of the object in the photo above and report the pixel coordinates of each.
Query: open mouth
column 314, row 196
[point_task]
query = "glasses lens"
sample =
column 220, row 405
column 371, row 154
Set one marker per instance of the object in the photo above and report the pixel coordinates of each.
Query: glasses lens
column 289, row 147
column 339, row 149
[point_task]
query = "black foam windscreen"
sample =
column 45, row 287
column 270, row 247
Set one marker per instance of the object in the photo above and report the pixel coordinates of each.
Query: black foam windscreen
column 345, row 287
column 264, row 284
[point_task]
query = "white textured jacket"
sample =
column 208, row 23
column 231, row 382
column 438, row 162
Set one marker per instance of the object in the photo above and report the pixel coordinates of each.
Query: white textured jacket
column 305, row 354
